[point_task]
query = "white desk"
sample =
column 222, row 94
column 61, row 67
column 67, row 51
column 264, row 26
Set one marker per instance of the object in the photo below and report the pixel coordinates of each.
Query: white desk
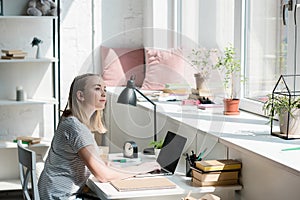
column 107, row 191
column 267, row 170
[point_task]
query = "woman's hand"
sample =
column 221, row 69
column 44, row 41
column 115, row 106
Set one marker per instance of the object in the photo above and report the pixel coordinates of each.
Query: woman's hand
column 150, row 166
column 144, row 167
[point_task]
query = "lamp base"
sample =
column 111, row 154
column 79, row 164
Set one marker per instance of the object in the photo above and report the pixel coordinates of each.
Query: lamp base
column 149, row 151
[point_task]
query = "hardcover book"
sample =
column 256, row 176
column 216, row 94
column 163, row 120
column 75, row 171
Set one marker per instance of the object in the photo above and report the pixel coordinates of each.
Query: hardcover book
column 29, row 139
column 12, row 51
column 215, row 175
column 12, row 57
column 218, row 165
column 199, row 183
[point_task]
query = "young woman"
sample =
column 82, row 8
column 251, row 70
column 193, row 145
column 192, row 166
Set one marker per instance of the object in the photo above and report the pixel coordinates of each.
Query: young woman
column 73, row 154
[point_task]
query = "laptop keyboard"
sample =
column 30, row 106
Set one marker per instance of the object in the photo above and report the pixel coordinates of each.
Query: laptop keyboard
column 161, row 171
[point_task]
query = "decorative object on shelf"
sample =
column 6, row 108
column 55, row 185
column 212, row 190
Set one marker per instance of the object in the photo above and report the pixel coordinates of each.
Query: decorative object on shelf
column 230, row 66
column 203, row 60
column 201, row 95
column 130, row 149
column 284, row 105
column 128, row 96
column 37, row 42
column 41, row 8
column 20, row 94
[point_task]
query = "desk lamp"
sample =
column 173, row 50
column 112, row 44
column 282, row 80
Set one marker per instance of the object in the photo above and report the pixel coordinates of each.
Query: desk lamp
column 128, row 96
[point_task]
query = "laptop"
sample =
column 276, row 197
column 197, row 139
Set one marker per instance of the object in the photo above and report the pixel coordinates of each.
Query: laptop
column 169, row 155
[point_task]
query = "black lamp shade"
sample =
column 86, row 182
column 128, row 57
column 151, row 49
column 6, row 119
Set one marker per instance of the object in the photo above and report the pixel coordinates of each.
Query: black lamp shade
column 128, row 95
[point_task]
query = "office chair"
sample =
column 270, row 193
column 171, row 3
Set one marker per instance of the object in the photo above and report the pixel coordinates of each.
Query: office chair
column 27, row 168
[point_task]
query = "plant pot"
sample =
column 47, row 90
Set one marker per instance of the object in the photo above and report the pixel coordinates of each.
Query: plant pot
column 231, row 106
column 199, row 81
column 294, row 125
column 156, row 152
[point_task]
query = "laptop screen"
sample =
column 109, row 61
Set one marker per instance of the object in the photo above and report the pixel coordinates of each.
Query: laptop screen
column 171, row 151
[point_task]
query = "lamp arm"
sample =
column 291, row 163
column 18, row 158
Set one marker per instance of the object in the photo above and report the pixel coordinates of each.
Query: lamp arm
column 154, row 112
column 145, row 97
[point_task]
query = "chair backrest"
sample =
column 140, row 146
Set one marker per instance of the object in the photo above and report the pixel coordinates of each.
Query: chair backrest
column 27, row 168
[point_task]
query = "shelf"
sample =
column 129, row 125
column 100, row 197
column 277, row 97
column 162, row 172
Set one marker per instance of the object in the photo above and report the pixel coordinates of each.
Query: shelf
column 9, row 144
column 39, row 114
column 29, row 60
column 28, row 102
column 28, row 17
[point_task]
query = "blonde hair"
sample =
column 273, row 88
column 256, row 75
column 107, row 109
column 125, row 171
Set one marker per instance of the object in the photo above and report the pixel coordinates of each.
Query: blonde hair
column 74, row 107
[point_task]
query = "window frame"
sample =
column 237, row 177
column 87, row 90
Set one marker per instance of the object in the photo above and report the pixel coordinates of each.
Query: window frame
column 248, row 104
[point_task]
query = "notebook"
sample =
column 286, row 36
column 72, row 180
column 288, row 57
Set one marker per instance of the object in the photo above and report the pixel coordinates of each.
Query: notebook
column 169, row 155
column 149, row 183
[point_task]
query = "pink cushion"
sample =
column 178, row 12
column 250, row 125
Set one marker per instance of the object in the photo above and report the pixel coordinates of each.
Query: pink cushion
column 119, row 64
column 163, row 66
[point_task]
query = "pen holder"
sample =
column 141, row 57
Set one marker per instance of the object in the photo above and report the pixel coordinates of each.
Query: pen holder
column 188, row 164
column 188, row 170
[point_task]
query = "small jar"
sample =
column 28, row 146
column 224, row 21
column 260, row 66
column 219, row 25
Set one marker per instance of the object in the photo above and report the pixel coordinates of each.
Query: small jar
column 20, row 94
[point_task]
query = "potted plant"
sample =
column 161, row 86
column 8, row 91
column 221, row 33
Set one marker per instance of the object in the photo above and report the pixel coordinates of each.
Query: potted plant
column 203, row 60
column 157, row 145
column 230, row 66
column 286, row 110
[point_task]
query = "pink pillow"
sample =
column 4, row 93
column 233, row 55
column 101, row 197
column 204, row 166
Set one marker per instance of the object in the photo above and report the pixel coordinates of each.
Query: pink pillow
column 119, row 64
column 163, row 66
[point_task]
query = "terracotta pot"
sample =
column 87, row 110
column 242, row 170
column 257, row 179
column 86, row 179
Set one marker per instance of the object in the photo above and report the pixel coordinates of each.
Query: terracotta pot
column 294, row 125
column 231, row 106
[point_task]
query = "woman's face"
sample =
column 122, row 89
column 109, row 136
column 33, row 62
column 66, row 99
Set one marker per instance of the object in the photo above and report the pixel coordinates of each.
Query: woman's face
column 94, row 93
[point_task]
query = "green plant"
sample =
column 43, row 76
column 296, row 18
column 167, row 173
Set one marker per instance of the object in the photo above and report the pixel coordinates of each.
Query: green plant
column 203, row 60
column 230, row 65
column 279, row 105
column 36, row 41
column 156, row 144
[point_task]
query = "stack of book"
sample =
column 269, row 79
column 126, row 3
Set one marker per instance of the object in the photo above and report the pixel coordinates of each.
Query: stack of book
column 28, row 139
column 203, row 95
column 216, row 172
column 198, row 93
column 13, row 54
column 176, row 88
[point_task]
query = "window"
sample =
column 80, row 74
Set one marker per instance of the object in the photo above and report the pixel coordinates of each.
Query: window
column 256, row 28
column 268, row 49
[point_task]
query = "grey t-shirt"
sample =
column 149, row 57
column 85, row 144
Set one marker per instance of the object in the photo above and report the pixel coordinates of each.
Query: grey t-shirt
column 65, row 173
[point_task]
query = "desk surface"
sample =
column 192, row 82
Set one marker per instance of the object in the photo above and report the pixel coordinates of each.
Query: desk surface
column 107, row 191
column 246, row 132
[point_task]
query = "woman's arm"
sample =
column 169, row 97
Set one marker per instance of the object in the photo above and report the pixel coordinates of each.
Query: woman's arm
column 105, row 173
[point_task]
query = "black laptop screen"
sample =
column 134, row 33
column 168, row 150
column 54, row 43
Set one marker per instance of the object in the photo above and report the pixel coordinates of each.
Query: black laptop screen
column 171, row 151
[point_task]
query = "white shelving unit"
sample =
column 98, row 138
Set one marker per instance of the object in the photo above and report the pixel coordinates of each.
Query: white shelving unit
column 30, row 60
column 28, row 17
column 37, row 115
column 28, row 102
